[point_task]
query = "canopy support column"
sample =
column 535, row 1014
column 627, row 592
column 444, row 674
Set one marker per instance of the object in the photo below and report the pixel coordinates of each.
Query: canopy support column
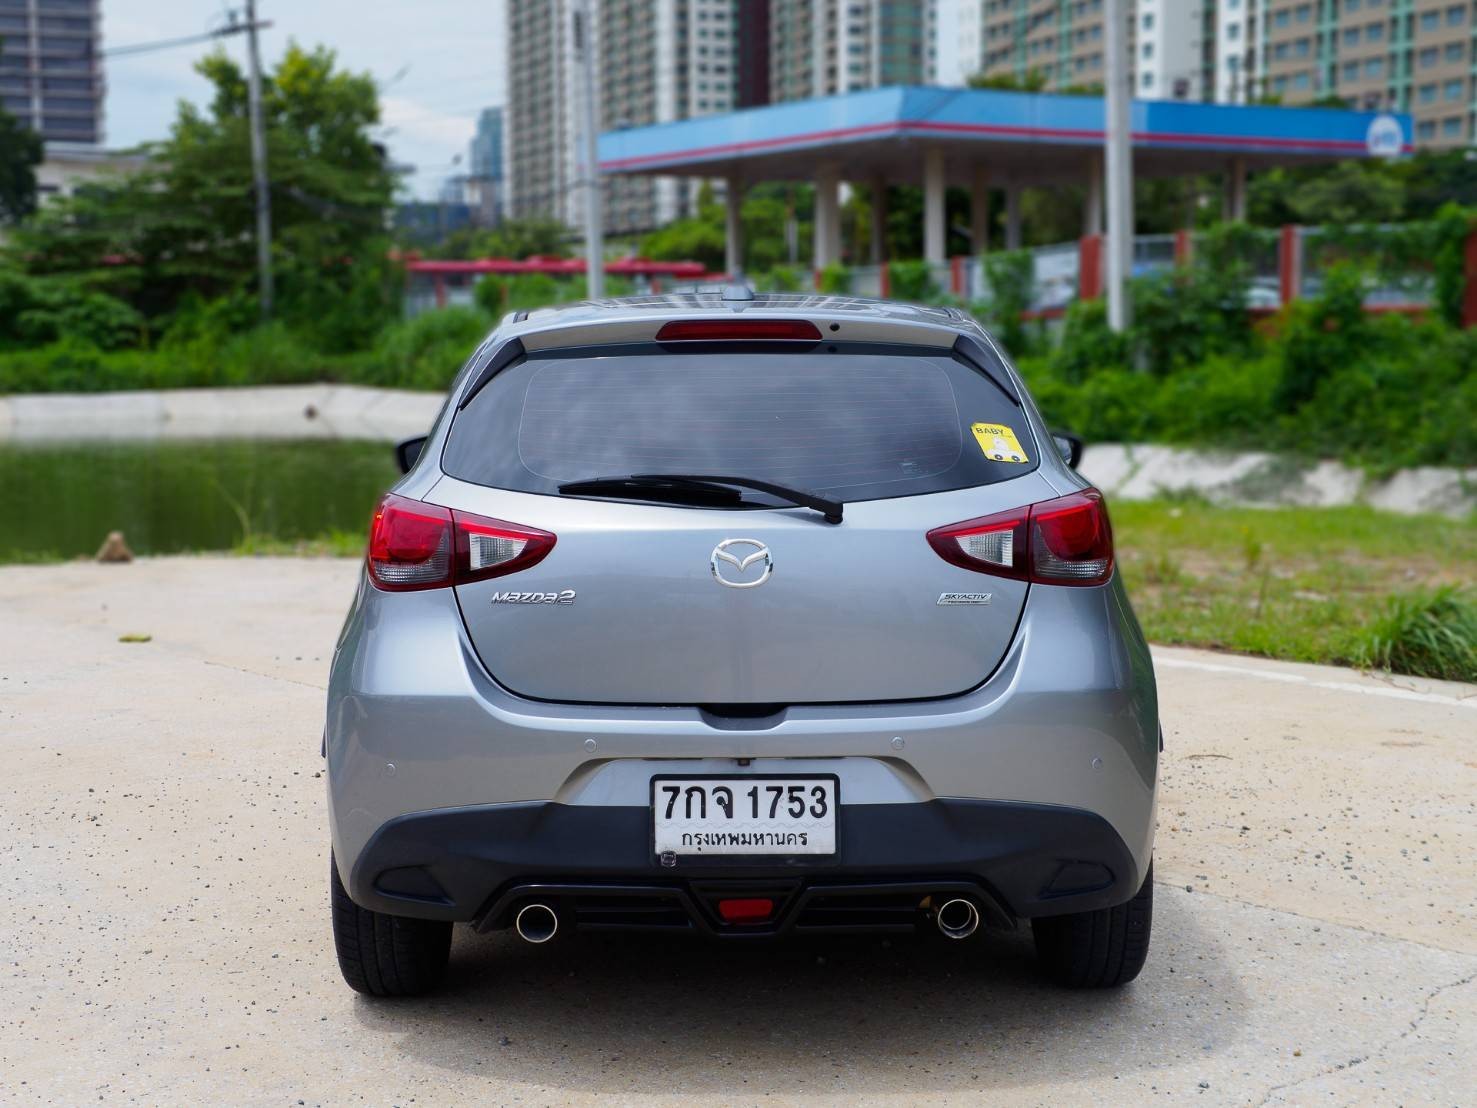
column 879, row 221
column 1092, row 206
column 733, row 227
column 979, row 211
column 933, row 206
column 1235, row 208
column 1012, row 216
column 827, row 220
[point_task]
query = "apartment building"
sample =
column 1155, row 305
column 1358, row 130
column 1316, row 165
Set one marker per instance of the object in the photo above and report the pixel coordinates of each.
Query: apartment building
column 1415, row 56
column 824, row 47
column 540, row 118
column 663, row 60
column 51, row 77
column 1061, row 41
column 656, row 60
column 1404, row 55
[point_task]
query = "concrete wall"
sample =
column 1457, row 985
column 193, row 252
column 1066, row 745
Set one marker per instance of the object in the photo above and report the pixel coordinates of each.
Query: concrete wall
column 1143, row 472
column 288, row 411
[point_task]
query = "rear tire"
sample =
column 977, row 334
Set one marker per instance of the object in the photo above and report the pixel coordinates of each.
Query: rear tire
column 1097, row 950
column 384, row 955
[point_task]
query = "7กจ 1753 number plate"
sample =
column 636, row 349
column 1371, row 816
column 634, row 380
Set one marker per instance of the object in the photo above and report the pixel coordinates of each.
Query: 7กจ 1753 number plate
column 744, row 815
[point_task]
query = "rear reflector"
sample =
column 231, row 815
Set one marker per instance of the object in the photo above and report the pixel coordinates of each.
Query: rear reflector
column 722, row 330
column 746, row 910
column 413, row 545
column 1066, row 541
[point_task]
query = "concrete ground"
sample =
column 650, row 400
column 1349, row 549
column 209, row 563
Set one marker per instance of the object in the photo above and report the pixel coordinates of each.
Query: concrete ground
column 164, row 934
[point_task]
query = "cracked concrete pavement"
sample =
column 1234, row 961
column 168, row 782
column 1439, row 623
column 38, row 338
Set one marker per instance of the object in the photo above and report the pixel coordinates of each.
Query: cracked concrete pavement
column 165, row 938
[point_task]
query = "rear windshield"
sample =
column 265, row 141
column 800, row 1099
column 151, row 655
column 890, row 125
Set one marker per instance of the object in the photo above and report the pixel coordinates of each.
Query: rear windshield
column 857, row 422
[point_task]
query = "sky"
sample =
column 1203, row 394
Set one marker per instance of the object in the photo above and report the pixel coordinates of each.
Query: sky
column 438, row 63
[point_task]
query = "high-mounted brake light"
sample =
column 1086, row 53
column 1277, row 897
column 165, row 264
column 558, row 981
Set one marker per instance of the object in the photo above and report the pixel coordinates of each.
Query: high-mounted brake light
column 1066, row 541
column 413, row 545
column 723, row 330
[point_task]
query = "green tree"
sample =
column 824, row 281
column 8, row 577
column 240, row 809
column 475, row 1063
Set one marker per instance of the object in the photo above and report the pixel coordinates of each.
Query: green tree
column 20, row 154
column 1343, row 192
column 512, row 238
column 1033, row 80
column 763, row 214
column 185, row 224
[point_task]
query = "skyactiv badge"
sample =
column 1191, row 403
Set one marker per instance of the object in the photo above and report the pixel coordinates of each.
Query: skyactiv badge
column 999, row 443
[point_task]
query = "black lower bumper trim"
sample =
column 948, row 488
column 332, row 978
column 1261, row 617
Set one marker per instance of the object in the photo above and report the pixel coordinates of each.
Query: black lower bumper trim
column 1025, row 860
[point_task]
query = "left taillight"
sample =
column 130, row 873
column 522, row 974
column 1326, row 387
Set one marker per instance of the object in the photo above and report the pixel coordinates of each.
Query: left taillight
column 1066, row 541
column 413, row 545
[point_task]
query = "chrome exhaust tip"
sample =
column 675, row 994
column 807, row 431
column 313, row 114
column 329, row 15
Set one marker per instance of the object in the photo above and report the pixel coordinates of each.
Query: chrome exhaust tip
column 536, row 923
column 957, row 918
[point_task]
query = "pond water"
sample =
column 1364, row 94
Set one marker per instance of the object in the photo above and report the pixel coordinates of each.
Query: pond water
column 61, row 499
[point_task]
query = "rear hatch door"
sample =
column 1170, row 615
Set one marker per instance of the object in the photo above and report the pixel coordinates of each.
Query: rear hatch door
column 753, row 604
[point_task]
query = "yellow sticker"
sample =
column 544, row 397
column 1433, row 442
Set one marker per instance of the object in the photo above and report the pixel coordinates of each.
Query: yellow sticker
column 999, row 443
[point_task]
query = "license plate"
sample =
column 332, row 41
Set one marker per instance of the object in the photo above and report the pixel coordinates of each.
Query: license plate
column 744, row 815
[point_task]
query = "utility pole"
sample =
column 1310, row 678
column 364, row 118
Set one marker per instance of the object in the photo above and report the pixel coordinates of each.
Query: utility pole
column 1119, row 163
column 584, row 45
column 259, row 164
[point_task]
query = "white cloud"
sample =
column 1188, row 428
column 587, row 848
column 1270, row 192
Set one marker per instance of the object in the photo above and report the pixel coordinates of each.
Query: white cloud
column 450, row 51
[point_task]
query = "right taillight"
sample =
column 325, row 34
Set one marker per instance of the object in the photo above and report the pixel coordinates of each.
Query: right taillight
column 413, row 545
column 1066, row 541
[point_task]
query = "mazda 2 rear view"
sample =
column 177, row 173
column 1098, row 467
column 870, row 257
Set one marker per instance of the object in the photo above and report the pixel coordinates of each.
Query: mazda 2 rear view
column 744, row 616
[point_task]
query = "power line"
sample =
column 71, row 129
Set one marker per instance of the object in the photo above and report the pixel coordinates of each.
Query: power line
column 166, row 44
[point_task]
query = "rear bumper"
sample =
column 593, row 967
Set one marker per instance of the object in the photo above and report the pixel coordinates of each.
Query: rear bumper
column 434, row 766
column 479, row 863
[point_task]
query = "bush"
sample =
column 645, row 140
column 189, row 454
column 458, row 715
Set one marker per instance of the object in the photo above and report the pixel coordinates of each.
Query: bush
column 1430, row 633
column 491, row 295
column 911, row 281
column 37, row 311
column 1010, row 276
column 530, row 291
column 836, row 280
column 425, row 352
column 782, row 278
column 1088, row 343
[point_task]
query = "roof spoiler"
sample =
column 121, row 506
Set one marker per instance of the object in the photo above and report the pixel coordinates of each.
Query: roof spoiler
column 505, row 355
column 971, row 352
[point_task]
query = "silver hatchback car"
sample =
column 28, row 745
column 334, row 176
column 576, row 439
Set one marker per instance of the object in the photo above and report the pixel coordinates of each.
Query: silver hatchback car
column 745, row 616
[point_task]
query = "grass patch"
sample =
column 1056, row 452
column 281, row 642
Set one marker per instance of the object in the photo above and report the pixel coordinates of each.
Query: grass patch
column 1348, row 586
column 331, row 544
column 1434, row 633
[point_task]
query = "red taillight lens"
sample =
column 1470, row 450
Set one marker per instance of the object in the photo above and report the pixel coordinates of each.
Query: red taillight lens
column 1071, row 540
column 720, row 330
column 410, row 545
column 413, row 545
column 1066, row 541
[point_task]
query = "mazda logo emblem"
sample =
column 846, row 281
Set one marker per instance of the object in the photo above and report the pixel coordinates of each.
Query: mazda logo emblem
column 732, row 561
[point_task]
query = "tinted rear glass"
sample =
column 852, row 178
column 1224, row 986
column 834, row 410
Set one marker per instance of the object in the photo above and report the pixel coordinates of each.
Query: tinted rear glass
column 859, row 423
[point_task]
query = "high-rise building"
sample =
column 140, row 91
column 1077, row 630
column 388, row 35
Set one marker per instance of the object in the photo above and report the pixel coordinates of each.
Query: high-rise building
column 483, row 186
column 663, row 60
column 657, row 61
column 486, row 154
column 824, row 47
column 1061, row 42
column 1416, row 56
column 51, row 77
column 540, row 111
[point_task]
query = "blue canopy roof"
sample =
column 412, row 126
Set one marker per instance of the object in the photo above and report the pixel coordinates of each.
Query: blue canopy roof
column 1035, row 136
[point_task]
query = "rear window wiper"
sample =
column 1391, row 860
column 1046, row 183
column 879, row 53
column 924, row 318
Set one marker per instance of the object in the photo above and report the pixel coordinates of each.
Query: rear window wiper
column 689, row 485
